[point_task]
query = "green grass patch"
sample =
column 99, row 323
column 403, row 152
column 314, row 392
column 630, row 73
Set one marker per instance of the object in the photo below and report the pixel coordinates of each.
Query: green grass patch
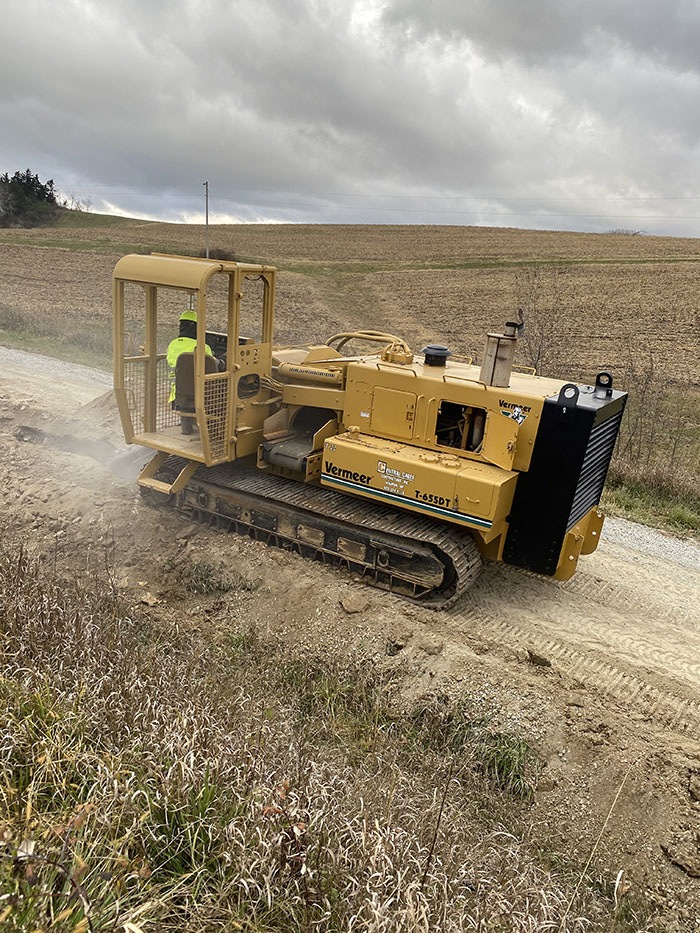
column 204, row 577
column 63, row 336
column 356, row 704
column 652, row 501
column 60, row 348
column 506, row 760
column 90, row 245
column 77, row 219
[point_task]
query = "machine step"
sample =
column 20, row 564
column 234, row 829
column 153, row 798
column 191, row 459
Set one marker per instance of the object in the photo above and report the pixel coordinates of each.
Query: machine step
column 172, row 485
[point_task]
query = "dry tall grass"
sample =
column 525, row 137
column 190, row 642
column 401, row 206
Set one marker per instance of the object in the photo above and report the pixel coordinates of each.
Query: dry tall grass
column 152, row 780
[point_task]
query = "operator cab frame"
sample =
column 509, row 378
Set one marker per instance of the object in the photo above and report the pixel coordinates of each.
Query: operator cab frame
column 231, row 405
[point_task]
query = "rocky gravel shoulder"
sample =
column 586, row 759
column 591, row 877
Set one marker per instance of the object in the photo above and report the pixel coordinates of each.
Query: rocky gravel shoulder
column 651, row 541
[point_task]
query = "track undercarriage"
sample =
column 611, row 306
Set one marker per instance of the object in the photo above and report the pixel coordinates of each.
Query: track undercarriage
column 405, row 554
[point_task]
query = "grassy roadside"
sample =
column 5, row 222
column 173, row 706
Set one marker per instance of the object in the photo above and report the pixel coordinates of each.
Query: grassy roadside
column 647, row 507
column 652, row 502
column 65, row 337
column 150, row 778
column 56, row 347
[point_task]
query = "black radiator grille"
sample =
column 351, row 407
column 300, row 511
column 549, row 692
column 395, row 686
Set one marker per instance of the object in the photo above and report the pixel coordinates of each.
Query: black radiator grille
column 594, row 468
column 569, row 463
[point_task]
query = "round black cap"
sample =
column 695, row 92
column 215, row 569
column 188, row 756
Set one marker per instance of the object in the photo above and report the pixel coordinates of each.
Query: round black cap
column 436, row 354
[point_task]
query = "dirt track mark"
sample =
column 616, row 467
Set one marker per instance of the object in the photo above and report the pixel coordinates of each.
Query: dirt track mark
column 606, row 593
column 640, row 651
column 592, row 670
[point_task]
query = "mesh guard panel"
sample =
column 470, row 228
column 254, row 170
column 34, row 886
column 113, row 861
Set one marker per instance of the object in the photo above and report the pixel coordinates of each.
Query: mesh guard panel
column 215, row 405
column 135, row 389
column 165, row 416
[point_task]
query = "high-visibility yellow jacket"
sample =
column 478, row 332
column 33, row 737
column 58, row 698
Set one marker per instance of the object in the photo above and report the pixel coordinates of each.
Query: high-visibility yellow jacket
column 175, row 348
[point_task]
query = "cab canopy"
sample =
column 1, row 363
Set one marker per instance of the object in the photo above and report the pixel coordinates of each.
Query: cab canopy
column 149, row 294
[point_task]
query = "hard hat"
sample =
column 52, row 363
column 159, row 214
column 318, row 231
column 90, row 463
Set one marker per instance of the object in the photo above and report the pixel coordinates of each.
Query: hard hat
column 189, row 316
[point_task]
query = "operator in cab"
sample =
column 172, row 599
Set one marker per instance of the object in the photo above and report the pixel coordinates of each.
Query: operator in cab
column 185, row 342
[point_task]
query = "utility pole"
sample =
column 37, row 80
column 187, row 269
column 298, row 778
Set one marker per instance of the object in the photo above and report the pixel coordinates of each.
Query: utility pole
column 206, row 211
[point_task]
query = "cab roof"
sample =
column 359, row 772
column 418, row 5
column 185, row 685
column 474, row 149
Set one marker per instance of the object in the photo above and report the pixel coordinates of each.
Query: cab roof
column 178, row 271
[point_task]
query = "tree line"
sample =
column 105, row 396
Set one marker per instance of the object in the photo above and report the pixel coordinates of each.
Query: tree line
column 25, row 201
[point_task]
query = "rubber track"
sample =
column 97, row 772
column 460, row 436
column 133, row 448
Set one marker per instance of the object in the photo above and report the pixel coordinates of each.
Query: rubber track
column 456, row 548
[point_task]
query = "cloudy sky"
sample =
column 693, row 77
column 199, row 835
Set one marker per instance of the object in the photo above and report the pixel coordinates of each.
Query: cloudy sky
column 554, row 114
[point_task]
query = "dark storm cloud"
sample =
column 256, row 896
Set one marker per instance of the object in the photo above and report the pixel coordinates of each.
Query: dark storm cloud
column 487, row 111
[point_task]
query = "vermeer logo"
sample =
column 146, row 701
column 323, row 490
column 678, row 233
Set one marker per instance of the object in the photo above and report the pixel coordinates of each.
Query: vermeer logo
column 512, row 406
column 516, row 412
column 355, row 477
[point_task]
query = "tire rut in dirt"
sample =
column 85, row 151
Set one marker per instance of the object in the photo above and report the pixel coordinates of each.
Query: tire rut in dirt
column 662, row 607
column 609, row 652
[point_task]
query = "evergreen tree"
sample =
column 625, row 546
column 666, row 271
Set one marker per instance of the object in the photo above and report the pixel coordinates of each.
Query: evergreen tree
column 25, row 201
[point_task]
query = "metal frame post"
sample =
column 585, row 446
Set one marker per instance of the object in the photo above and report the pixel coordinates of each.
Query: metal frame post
column 206, row 217
column 150, row 388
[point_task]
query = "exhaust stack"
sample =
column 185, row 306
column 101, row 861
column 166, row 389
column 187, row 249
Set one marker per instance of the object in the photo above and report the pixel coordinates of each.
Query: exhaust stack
column 498, row 356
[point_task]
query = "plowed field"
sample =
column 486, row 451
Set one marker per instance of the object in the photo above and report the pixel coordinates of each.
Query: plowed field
column 605, row 296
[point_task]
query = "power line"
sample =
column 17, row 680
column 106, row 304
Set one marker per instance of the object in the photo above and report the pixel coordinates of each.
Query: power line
column 536, row 214
column 541, row 214
column 164, row 188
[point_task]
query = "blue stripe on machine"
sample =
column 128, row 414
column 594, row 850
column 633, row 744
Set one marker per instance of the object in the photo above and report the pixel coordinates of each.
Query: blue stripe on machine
column 414, row 503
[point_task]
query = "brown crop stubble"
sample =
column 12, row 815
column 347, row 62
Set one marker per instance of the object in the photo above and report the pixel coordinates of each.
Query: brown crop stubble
column 603, row 312
column 381, row 243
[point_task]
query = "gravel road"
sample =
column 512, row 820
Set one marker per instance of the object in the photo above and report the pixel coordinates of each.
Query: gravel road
column 683, row 551
column 30, row 364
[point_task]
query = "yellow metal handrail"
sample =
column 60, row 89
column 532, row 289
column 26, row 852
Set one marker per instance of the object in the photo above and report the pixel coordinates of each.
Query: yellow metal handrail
column 480, row 382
